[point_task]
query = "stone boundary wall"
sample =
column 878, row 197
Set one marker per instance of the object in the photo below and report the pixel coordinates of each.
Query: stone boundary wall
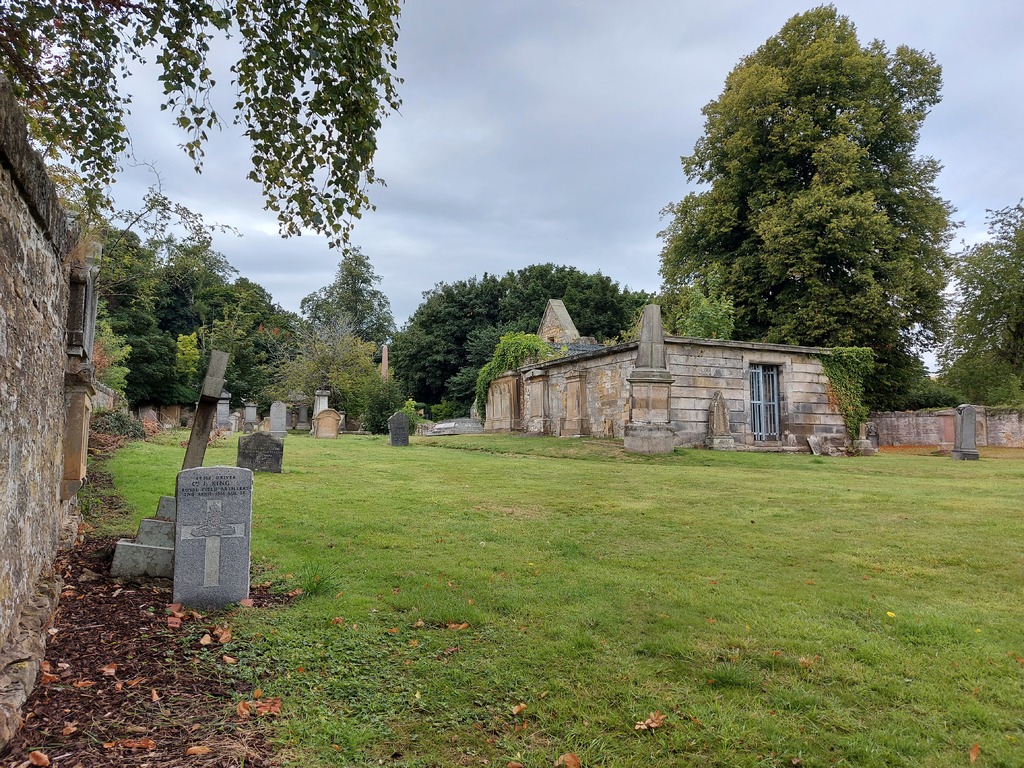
column 37, row 253
column 995, row 428
column 108, row 399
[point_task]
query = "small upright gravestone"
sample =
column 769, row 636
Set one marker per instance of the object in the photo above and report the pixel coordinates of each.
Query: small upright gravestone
column 251, row 417
column 224, row 410
column 302, row 423
column 719, row 436
column 398, row 429
column 965, row 440
column 212, row 534
column 325, row 424
column 278, row 419
column 260, row 452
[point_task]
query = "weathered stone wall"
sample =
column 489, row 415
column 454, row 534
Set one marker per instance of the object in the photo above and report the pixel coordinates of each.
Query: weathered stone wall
column 35, row 242
column 1005, row 429
column 699, row 369
column 1002, row 429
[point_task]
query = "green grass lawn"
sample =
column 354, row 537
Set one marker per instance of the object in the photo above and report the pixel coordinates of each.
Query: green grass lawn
column 779, row 610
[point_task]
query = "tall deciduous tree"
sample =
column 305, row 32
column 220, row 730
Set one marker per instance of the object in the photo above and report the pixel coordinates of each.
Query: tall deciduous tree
column 984, row 358
column 354, row 300
column 312, row 82
column 825, row 225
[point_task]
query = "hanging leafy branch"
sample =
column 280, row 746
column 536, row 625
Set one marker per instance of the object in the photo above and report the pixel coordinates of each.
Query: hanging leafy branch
column 313, row 81
column 512, row 351
column 847, row 368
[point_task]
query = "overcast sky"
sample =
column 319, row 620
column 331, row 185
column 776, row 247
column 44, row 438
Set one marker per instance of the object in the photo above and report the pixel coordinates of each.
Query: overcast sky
column 539, row 131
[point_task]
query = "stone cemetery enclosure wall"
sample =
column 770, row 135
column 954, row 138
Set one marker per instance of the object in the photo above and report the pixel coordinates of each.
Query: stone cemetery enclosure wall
column 45, row 378
column 996, row 427
column 589, row 393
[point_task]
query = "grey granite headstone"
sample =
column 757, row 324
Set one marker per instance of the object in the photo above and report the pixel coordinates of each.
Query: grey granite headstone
column 260, row 452
column 278, row 419
column 965, row 439
column 212, row 534
column 815, row 444
column 224, row 410
column 251, row 417
column 302, row 423
column 398, row 429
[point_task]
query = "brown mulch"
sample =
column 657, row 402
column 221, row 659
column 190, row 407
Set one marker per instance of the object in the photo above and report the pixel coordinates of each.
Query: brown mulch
column 122, row 687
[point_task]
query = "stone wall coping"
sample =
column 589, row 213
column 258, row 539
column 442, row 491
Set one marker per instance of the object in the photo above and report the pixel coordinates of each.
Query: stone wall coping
column 687, row 340
column 29, row 173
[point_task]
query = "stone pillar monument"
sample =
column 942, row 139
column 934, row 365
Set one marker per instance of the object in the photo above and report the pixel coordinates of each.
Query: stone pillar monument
column 320, row 401
column 650, row 384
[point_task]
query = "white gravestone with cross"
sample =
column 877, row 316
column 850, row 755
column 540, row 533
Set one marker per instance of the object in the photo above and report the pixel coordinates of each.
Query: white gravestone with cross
column 213, row 529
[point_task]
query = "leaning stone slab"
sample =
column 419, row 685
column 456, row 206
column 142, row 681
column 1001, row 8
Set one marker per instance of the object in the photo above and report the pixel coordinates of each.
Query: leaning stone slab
column 212, row 535
column 260, row 452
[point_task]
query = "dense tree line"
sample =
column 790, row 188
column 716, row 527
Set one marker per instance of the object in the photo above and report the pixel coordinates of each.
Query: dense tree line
column 166, row 303
column 454, row 332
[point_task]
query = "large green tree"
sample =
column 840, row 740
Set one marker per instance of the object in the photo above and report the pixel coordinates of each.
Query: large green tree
column 311, row 83
column 984, row 357
column 353, row 299
column 825, row 225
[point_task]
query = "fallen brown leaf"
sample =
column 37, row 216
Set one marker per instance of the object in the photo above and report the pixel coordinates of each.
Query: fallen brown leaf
column 338, row 620
column 38, row 758
column 244, row 709
column 223, row 635
column 246, row 603
column 257, row 693
column 975, row 751
column 654, row 720
column 206, row 640
column 228, row 659
column 269, row 706
column 569, row 760
column 198, row 750
column 393, row 631
column 109, row 670
column 518, row 708
column 83, row 683
column 173, row 622
column 153, row 695
column 146, row 743
column 46, row 678
column 68, row 729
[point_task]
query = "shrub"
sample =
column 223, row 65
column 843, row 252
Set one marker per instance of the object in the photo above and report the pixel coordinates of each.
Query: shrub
column 117, row 423
column 382, row 399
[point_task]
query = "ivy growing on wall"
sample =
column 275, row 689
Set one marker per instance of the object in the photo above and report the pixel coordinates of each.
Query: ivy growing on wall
column 512, row 351
column 847, row 368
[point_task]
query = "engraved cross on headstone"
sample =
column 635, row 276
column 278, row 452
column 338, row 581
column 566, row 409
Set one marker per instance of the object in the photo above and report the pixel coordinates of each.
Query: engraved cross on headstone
column 213, row 529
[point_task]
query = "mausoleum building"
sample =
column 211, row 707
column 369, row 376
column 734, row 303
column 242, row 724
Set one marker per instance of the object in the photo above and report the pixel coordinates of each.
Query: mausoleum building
column 775, row 395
